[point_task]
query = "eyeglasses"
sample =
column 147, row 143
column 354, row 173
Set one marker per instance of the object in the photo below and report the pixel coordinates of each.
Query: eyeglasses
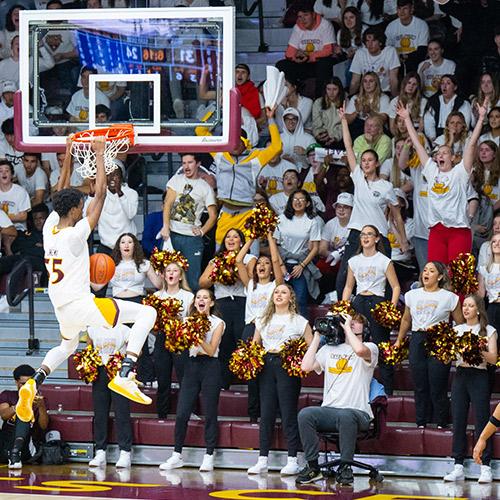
column 291, row 118
column 370, row 235
column 300, row 200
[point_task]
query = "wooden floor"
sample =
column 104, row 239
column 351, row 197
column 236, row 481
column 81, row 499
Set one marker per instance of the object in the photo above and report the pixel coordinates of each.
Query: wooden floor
column 147, row 482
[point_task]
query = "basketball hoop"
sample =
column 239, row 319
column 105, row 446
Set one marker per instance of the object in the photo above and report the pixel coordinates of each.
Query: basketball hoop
column 119, row 138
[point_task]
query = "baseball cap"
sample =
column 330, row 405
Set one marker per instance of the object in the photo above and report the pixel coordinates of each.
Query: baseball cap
column 243, row 66
column 8, row 86
column 344, row 199
column 52, row 436
column 312, row 147
column 53, row 110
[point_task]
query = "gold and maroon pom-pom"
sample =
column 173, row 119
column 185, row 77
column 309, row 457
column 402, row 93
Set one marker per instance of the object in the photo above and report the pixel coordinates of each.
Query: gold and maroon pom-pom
column 160, row 259
column 386, row 314
column 262, row 220
column 247, row 360
column 441, row 342
column 87, row 364
column 113, row 365
column 291, row 354
column 189, row 333
column 463, row 274
column 225, row 271
column 472, row 347
column 392, row 355
column 342, row 307
column 168, row 312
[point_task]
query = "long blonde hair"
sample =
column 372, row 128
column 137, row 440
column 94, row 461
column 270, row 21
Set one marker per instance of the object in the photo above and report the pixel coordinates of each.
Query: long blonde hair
column 463, row 135
column 395, row 170
column 364, row 100
column 271, row 306
column 183, row 282
column 415, row 100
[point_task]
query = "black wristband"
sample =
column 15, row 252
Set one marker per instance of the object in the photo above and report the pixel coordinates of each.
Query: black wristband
column 495, row 421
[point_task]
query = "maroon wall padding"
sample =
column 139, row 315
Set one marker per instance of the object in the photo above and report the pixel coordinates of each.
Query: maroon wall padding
column 245, row 435
column 394, row 408
column 68, row 396
column 437, row 442
column 73, row 427
column 139, row 408
column 113, row 436
column 401, row 441
column 313, row 380
column 317, row 311
column 158, row 432
column 231, row 404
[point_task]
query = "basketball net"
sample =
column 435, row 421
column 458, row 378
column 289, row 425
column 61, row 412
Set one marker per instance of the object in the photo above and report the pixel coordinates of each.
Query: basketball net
column 119, row 138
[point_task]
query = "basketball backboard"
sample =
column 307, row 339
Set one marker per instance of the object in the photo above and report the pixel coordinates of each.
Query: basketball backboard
column 166, row 70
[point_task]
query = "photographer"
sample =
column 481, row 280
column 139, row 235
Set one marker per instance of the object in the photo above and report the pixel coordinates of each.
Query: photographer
column 348, row 364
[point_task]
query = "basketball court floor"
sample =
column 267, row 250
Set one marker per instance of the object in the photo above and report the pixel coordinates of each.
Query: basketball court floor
column 149, row 483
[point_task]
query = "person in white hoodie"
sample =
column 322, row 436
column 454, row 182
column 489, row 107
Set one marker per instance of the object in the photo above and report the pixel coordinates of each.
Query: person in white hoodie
column 295, row 141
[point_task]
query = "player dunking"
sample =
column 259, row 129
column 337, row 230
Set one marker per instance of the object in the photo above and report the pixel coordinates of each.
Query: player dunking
column 65, row 235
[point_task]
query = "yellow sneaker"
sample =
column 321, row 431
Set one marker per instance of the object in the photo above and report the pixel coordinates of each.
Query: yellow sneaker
column 127, row 387
column 24, row 407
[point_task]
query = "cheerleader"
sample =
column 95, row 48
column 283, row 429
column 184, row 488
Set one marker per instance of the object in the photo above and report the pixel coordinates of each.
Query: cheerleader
column 108, row 341
column 201, row 377
column 369, row 271
column 448, row 220
column 280, row 323
column 174, row 286
column 267, row 274
column 471, row 385
column 230, row 298
column 426, row 306
column 489, row 282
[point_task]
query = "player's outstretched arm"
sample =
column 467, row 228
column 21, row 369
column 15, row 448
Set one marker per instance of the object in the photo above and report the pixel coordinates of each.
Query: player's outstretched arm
column 65, row 175
column 95, row 206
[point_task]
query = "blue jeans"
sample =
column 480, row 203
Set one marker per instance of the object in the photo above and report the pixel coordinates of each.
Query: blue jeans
column 299, row 285
column 420, row 245
column 192, row 248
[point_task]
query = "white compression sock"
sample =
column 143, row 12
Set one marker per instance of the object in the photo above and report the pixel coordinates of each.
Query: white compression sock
column 60, row 353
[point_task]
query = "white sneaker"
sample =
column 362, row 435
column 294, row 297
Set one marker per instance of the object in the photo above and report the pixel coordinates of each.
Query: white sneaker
column 485, row 476
column 99, row 459
column 124, row 460
column 208, row 463
column 457, row 474
column 259, row 467
column 291, row 468
column 174, row 462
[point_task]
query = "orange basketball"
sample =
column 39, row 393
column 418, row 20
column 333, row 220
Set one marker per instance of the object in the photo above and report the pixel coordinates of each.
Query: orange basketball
column 102, row 268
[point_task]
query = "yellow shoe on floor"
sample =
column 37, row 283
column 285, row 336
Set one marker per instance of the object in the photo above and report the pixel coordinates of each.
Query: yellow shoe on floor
column 24, row 407
column 127, row 387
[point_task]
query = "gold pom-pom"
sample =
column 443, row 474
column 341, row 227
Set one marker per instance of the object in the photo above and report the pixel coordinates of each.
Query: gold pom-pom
column 463, row 274
column 472, row 347
column 342, row 307
column 260, row 222
column 441, row 342
column 160, row 259
column 386, row 314
column 168, row 312
column 224, row 270
column 247, row 360
column 392, row 355
column 113, row 365
column 291, row 354
column 189, row 333
column 87, row 364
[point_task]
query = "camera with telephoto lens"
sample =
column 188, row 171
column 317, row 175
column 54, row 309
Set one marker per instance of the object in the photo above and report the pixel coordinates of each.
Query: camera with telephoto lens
column 331, row 328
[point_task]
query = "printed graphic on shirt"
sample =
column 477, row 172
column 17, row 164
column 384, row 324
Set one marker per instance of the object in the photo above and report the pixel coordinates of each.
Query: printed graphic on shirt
column 424, row 310
column 275, row 332
column 184, row 207
column 405, row 44
column 366, row 273
column 441, row 184
column 339, row 363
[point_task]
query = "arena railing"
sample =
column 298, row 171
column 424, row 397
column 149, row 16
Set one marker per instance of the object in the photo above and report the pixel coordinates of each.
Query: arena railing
column 248, row 11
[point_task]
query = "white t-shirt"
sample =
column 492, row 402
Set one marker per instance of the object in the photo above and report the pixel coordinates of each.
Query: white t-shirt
column 420, row 203
column 15, row 200
column 278, row 202
column 461, row 329
column 312, row 40
column 429, row 308
column 386, row 170
column 236, row 290
column 109, row 340
column 484, row 254
column 447, row 193
column 273, row 176
column 431, row 76
column 381, row 64
column 192, row 197
column 32, row 184
column 67, row 260
column 335, row 234
column 4, row 220
column 184, row 296
column 257, row 299
column 294, row 235
column 371, row 198
column 383, row 107
column 280, row 329
column 214, row 323
column 407, row 39
column 347, row 376
column 128, row 279
column 369, row 273
column 491, row 280
column 78, row 107
column 489, row 137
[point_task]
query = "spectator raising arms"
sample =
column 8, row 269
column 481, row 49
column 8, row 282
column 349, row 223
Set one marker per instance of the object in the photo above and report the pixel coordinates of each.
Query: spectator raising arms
column 426, row 307
column 448, row 184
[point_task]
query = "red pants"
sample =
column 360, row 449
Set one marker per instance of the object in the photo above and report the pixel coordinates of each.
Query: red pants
column 445, row 243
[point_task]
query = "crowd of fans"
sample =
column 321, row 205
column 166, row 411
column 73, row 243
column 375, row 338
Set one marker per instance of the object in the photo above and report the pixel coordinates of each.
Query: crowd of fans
column 380, row 174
